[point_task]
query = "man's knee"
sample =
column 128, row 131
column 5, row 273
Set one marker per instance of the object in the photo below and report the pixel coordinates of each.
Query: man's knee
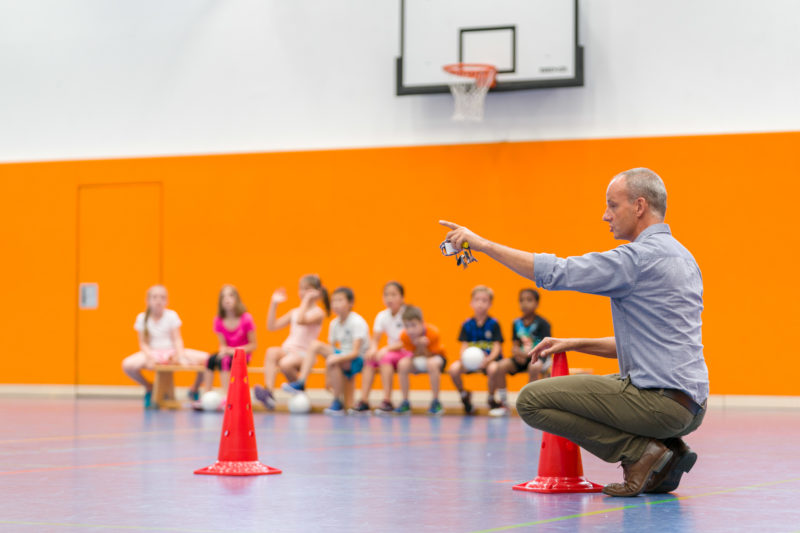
column 529, row 404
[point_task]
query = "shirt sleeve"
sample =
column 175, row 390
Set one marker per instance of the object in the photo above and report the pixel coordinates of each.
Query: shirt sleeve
column 545, row 329
column 218, row 325
column 361, row 330
column 497, row 333
column 514, row 335
column 139, row 324
column 377, row 326
column 406, row 340
column 331, row 331
column 434, row 341
column 174, row 320
column 247, row 323
column 612, row 273
column 462, row 336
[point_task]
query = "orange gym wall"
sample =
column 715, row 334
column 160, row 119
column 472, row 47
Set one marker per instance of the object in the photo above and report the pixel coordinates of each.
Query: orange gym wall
column 361, row 217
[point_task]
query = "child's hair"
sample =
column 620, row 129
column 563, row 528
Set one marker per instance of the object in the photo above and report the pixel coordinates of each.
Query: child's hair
column 412, row 312
column 238, row 310
column 484, row 289
column 313, row 281
column 348, row 293
column 533, row 292
column 397, row 285
column 147, row 310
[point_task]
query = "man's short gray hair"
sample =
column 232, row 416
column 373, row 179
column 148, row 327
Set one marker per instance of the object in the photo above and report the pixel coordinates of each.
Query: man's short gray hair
column 644, row 183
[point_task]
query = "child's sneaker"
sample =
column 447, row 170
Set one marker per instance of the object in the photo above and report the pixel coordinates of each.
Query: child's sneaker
column 336, row 409
column 295, row 387
column 361, row 409
column 466, row 399
column 384, row 409
column 404, row 408
column 148, row 399
column 493, row 404
column 500, row 410
column 194, row 395
column 264, row 396
column 436, row 408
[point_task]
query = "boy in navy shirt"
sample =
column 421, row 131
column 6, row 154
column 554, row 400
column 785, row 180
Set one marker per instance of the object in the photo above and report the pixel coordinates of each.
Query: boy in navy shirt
column 484, row 332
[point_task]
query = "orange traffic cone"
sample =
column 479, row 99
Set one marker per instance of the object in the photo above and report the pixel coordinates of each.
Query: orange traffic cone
column 238, row 455
column 560, row 467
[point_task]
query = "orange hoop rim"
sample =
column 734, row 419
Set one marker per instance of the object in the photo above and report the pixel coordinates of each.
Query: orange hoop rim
column 473, row 70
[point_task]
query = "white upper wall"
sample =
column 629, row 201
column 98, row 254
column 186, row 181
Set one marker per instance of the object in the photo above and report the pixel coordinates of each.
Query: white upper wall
column 116, row 78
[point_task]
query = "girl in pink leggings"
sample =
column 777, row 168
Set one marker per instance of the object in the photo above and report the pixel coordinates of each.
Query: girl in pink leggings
column 235, row 329
column 160, row 342
column 388, row 322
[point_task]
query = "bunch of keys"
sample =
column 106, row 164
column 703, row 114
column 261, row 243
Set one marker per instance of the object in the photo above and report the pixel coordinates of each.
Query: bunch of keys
column 464, row 258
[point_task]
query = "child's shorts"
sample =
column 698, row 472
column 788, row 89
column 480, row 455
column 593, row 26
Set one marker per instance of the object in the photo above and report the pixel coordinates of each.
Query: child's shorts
column 391, row 358
column 439, row 356
column 356, row 365
column 215, row 362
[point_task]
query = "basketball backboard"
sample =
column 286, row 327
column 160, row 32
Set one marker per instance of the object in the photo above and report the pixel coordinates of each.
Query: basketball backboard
column 533, row 43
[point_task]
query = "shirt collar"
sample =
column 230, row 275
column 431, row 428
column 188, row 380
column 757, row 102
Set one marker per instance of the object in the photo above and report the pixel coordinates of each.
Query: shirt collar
column 652, row 230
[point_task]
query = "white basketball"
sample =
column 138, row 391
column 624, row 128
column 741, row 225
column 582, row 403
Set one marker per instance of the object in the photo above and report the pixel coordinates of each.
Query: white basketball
column 211, row 400
column 472, row 358
column 420, row 363
column 299, row 404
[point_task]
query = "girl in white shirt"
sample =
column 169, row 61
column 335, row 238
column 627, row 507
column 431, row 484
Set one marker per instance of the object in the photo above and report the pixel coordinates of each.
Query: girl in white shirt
column 160, row 342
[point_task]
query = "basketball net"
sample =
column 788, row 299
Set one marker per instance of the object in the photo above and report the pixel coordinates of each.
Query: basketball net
column 469, row 84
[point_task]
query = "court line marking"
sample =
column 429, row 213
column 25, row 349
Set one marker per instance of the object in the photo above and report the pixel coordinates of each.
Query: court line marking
column 643, row 504
column 108, row 526
column 390, row 443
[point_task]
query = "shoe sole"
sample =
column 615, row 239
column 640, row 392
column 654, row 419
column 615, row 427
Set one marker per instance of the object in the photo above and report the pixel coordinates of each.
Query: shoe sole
column 378, row 412
column 671, row 482
column 661, row 463
column 291, row 390
column 356, row 412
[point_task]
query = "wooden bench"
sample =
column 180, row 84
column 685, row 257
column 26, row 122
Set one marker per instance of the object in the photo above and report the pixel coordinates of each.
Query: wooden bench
column 164, row 384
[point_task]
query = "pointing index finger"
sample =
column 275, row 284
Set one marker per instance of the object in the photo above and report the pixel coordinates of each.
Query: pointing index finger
column 448, row 224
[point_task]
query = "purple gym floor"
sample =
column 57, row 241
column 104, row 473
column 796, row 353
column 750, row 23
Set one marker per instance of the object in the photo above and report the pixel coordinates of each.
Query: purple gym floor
column 108, row 465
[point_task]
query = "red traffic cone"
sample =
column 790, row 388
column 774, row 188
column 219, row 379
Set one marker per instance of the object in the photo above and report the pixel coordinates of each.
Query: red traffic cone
column 560, row 467
column 238, row 455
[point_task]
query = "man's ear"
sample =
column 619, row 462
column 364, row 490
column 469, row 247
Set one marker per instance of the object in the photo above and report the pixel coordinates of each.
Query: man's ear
column 641, row 206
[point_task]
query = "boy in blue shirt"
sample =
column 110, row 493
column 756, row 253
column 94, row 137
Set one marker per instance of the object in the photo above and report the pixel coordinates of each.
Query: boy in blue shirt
column 484, row 332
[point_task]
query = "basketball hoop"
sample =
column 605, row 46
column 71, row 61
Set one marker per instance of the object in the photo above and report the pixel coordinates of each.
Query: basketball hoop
column 469, row 85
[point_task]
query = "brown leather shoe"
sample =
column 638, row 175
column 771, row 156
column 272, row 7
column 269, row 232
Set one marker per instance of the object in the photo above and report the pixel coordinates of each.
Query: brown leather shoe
column 636, row 475
column 683, row 459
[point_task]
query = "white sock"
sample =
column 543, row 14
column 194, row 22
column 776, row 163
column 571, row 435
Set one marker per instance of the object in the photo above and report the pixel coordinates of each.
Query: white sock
column 503, row 393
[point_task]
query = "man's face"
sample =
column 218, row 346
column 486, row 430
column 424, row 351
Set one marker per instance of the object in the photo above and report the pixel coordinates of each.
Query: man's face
column 620, row 212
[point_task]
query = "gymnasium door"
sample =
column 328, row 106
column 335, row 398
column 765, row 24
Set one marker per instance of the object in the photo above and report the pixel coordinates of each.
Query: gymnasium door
column 120, row 235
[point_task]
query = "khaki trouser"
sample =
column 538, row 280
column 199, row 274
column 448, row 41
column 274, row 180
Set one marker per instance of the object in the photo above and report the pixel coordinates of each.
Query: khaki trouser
column 605, row 415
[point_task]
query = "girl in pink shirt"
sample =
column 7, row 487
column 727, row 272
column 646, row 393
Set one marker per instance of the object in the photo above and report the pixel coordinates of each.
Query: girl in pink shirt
column 235, row 328
column 305, row 324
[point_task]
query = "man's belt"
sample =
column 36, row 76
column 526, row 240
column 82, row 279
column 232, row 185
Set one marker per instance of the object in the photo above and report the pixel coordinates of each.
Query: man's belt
column 684, row 399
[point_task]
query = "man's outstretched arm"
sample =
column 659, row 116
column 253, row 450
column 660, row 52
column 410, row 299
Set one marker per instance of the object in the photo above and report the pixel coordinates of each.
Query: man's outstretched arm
column 517, row 260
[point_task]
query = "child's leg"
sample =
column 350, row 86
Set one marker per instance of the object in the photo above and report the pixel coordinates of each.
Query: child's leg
column 335, row 379
column 367, row 379
column 404, row 367
column 435, row 367
column 290, row 366
column 455, row 371
column 133, row 366
column 195, row 357
column 274, row 355
column 387, row 380
column 208, row 379
column 317, row 348
column 224, row 380
column 535, row 370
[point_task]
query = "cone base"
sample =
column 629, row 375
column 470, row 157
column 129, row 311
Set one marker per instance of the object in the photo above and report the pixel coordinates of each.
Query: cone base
column 559, row 484
column 237, row 468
